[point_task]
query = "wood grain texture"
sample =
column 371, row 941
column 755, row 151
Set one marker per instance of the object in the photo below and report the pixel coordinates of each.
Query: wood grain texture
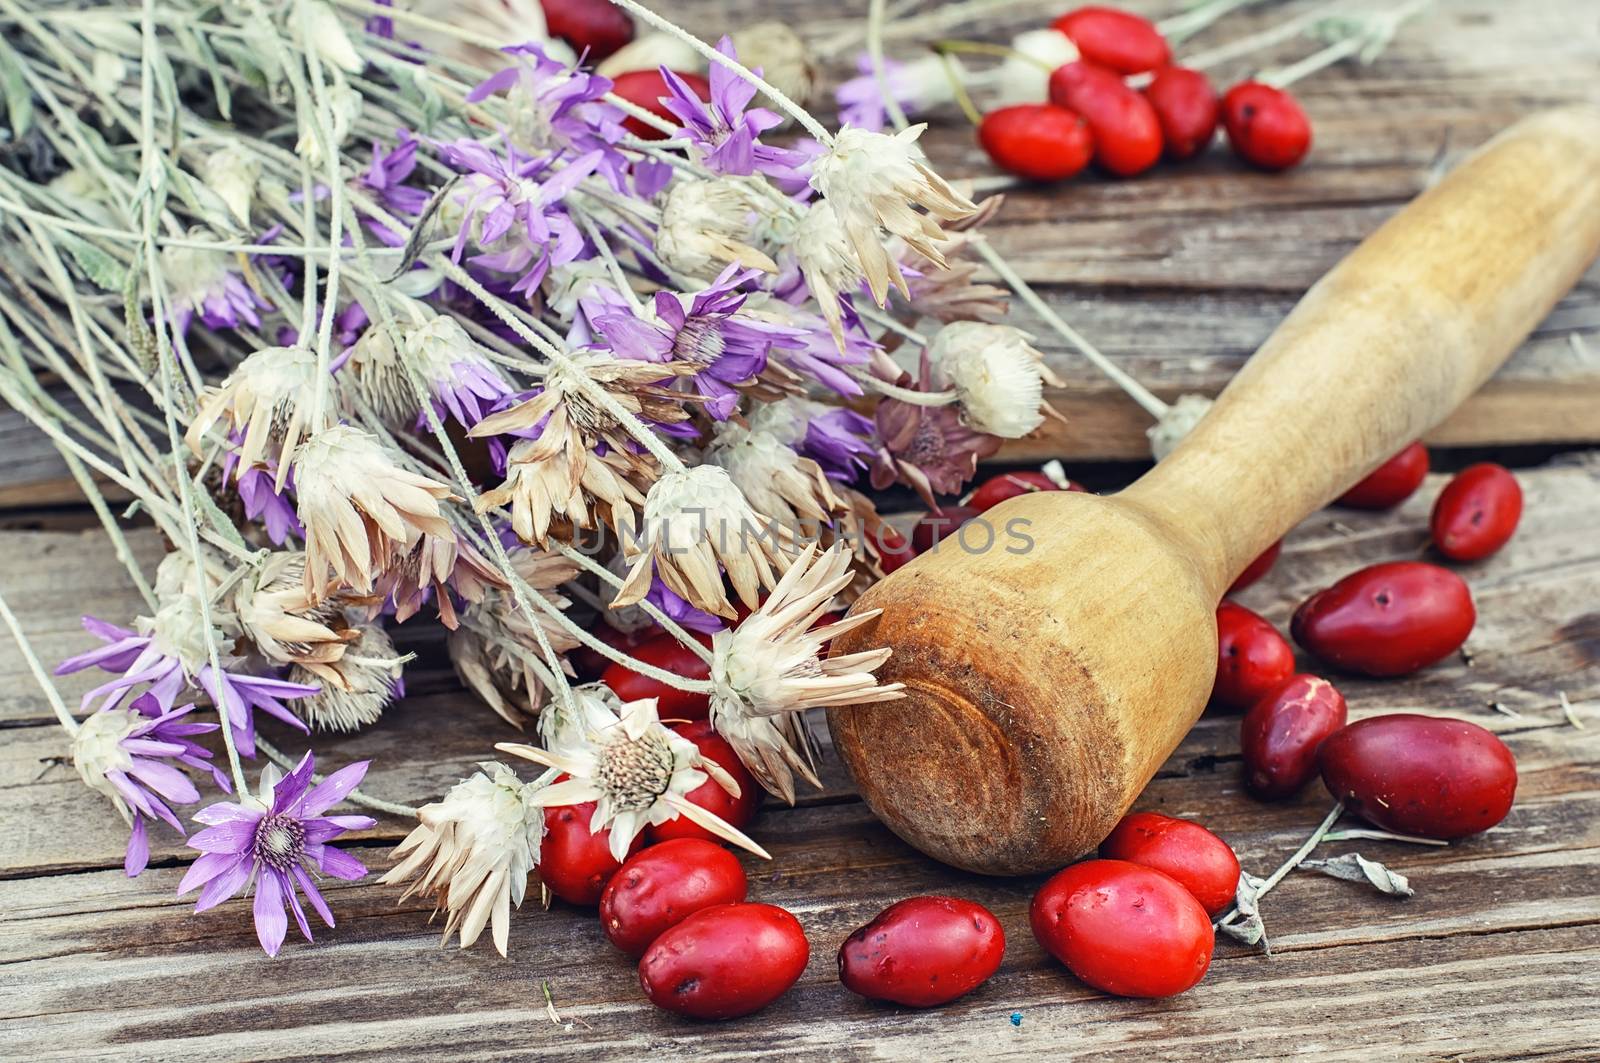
column 1497, row 956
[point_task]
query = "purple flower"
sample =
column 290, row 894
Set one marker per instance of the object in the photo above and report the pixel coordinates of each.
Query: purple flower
column 125, row 754
column 815, row 354
column 171, row 659
column 272, row 841
column 203, row 286
column 515, row 220
column 385, row 181
column 555, row 105
column 709, row 332
column 841, row 441
column 860, row 99
column 680, row 610
column 726, row 133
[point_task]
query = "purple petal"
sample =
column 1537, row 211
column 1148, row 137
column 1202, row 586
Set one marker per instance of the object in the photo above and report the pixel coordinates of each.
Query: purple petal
column 165, row 780
column 313, row 894
column 271, row 920
column 340, row 864
column 288, row 792
column 299, row 912
column 138, row 854
column 233, row 837
column 334, row 788
column 226, row 812
column 206, row 869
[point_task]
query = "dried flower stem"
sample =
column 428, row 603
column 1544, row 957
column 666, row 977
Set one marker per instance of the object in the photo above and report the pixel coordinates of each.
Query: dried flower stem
column 42, row 677
column 1293, row 862
column 355, row 797
column 875, row 20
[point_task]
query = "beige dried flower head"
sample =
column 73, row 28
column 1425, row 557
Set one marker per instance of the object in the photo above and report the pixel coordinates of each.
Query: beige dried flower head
column 580, row 487
column 828, row 263
column 769, row 670
column 706, row 224
column 232, row 173
column 637, row 771
column 997, row 374
column 696, row 525
column 772, row 476
column 951, row 292
column 439, row 570
column 360, row 509
column 1176, row 423
column 568, row 282
column 472, row 853
column 874, row 182
column 1024, row 75
column 355, row 688
column 283, row 621
column 781, row 56
column 266, row 399
column 496, row 651
column 564, row 729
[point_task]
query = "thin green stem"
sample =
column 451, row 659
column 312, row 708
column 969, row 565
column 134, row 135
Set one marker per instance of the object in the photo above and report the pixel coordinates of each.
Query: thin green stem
column 51, row 694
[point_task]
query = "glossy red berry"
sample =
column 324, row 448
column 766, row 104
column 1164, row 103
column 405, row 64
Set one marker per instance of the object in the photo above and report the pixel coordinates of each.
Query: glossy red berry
column 594, row 28
column 1201, row 862
column 591, row 663
column 739, row 811
column 1188, row 109
column 1265, row 125
column 894, row 549
column 725, row 961
column 659, row 887
column 575, row 863
column 1390, row 483
column 664, row 651
column 1039, row 141
column 1280, row 735
column 1476, row 513
column 1252, row 658
column 1127, row 134
column 1118, row 40
column 645, row 88
column 1388, row 619
column 923, row 952
column 997, row 489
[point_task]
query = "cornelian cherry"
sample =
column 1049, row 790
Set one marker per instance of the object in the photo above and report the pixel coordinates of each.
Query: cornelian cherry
column 1476, row 513
column 1252, row 658
column 1188, row 109
column 1118, row 40
column 645, row 88
column 1201, row 862
column 997, row 489
column 594, row 28
column 1390, row 483
column 664, row 651
column 575, row 863
column 1039, row 141
column 1127, row 133
column 1257, row 568
column 1265, row 125
column 739, row 811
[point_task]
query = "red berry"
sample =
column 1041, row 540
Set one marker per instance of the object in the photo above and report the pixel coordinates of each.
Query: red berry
column 1188, row 109
column 725, row 961
column 1426, row 775
column 1265, row 125
column 1201, row 862
column 997, row 489
column 1281, row 733
column 894, row 551
column 1115, row 39
column 573, row 862
column 663, row 885
column 1127, row 134
column 594, row 28
column 923, row 952
column 1257, row 568
column 590, row 663
column 936, row 528
column 666, row 652
column 1252, row 658
column 1123, row 928
column 1039, row 141
column 739, row 811
column 1387, row 620
column 1390, row 483
column 645, row 88
column 1477, row 512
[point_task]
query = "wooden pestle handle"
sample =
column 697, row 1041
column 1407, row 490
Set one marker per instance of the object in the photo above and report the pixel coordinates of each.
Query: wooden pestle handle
column 1386, row 345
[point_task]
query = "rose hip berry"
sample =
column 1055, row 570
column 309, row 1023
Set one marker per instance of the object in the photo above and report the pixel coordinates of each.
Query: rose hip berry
column 1388, row 619
column 725, row 961
column 1123, row 928
column 923, row 952
column 1257, row 568
column 894, row 550
column 1188, row 109
column 666, row 652
column 1117, row 40
column 1039, row 141
column 997, row 489
column 1201, row 862
column 574, row 863
column 1265, row 125
column 739, row 811
column 1476, row 513
column 1127, row 134
column 1252, row 658
column 597, row 27
column 590, row 663
column 660, row 887
column 1390, row 483
column 645, row 88
column 1424, row 775
column 1282, row 732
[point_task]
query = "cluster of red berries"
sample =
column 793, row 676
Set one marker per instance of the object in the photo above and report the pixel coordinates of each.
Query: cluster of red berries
column 1094, row 114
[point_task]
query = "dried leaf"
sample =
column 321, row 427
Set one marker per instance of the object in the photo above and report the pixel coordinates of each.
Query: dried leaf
column 1353, row 867
column 102, row 269
column 1249, row 932
column 419, row 232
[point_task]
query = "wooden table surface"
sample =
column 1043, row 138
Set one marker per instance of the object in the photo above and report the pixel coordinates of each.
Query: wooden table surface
column 1177, row 275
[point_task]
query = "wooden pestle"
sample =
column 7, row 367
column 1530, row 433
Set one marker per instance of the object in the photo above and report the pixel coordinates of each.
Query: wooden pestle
column 1046, row 687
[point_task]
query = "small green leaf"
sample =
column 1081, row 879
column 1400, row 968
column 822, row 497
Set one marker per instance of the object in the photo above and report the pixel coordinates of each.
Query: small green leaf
column 19, row 98
column 108, row 274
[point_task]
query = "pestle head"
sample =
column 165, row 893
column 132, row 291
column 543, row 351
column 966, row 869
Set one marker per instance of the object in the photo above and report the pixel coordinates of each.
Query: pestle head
column 1044, row 687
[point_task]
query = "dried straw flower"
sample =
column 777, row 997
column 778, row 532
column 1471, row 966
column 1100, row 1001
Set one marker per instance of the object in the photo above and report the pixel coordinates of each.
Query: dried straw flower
column 355, row 688
column 360, row 509
column 828, row 263
column 439, row 570
column 768, row 671
column 637, row 771
column 284, row 621
column 706, row 224
column 774, row 478
column 472, row 853
column 697, row 524
column 998, row 376
column 780, row 55
column 265, row 399
column 1176, row 423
